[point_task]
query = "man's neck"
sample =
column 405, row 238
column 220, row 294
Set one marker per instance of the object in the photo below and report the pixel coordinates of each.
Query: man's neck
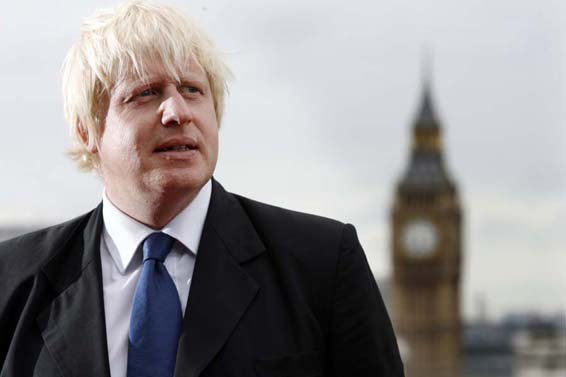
column 152, row 210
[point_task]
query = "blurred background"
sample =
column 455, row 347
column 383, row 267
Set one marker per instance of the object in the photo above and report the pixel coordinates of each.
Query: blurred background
column 320, row 118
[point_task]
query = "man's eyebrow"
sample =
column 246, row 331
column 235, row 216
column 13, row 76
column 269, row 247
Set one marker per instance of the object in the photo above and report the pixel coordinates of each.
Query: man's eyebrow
column 128, row 84
column 149, row 80
column 152, row 80
column 193, row 78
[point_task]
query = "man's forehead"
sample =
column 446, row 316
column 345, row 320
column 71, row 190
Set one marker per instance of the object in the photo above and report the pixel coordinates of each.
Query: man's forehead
column 158, row 71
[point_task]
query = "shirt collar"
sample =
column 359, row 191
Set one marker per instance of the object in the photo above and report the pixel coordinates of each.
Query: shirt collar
column 124, row 234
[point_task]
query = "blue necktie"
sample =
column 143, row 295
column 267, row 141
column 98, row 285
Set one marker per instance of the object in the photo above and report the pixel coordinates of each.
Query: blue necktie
column 155, row 322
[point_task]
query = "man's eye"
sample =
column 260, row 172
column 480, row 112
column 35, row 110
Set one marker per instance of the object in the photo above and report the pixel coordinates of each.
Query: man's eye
column 148, row 92
column 188, row 89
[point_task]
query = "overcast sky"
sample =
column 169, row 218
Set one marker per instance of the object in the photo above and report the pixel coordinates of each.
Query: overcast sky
column 319, row 115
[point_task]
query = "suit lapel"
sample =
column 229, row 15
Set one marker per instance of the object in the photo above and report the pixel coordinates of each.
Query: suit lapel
column 221, row 290
column 72, row 325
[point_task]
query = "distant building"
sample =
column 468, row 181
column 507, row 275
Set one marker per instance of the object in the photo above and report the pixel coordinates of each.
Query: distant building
column 540, row 351
column 426, row 252
column 487, row 350
column 520, row 345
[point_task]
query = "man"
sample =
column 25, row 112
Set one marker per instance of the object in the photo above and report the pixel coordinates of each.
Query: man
column 171, row 274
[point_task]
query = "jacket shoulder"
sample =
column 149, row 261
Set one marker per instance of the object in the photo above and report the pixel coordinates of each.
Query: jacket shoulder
column 23, row 255
column 289, row 223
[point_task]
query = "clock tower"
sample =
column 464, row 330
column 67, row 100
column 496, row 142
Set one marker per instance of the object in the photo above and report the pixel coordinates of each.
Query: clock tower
column 426, row 253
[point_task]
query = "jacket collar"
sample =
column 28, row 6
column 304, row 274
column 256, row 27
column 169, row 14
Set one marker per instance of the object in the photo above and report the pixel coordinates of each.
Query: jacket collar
column 73, row 326
column 221, row 290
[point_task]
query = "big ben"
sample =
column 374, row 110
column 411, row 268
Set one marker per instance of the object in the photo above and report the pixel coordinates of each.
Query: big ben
column 426, row 252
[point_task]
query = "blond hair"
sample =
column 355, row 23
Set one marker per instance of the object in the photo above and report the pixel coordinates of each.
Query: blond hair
column 119, row 42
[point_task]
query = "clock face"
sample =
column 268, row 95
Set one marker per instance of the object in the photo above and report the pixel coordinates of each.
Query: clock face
column 419, row 237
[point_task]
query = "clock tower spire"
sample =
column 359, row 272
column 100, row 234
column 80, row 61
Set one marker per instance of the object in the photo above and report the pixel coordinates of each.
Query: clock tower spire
column 426, row 171
column 426, row 252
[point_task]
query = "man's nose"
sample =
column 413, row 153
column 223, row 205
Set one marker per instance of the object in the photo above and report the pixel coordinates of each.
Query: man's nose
column 174, row 109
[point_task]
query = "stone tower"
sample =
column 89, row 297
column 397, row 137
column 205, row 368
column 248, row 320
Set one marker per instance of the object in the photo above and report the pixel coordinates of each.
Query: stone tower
column 426, row 246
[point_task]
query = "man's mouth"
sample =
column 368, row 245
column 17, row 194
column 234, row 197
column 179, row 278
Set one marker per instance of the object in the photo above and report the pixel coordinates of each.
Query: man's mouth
column 177, row 145
column 176, row 148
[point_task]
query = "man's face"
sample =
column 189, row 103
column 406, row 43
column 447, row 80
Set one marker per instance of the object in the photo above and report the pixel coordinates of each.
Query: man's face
column 160, row 137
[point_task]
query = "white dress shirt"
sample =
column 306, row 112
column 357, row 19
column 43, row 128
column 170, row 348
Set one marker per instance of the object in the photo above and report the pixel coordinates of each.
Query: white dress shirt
column 121, row 257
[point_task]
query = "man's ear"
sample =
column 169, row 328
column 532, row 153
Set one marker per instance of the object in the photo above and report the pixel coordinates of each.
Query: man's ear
column 84, row 135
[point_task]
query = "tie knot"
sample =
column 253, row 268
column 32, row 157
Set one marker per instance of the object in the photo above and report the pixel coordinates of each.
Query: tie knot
column 157, row 246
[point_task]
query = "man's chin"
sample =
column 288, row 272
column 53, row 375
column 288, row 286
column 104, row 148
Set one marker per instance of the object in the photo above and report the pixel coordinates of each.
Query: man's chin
column 177, row 181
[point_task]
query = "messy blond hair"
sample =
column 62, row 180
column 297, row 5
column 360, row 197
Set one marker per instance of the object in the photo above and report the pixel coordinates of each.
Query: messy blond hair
column 119, row 42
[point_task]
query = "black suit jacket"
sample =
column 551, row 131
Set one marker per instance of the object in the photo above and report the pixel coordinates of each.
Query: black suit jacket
column 274, row 293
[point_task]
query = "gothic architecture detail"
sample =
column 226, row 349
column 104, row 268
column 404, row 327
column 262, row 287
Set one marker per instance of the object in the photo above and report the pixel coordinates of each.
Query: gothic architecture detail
column 426, row 251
